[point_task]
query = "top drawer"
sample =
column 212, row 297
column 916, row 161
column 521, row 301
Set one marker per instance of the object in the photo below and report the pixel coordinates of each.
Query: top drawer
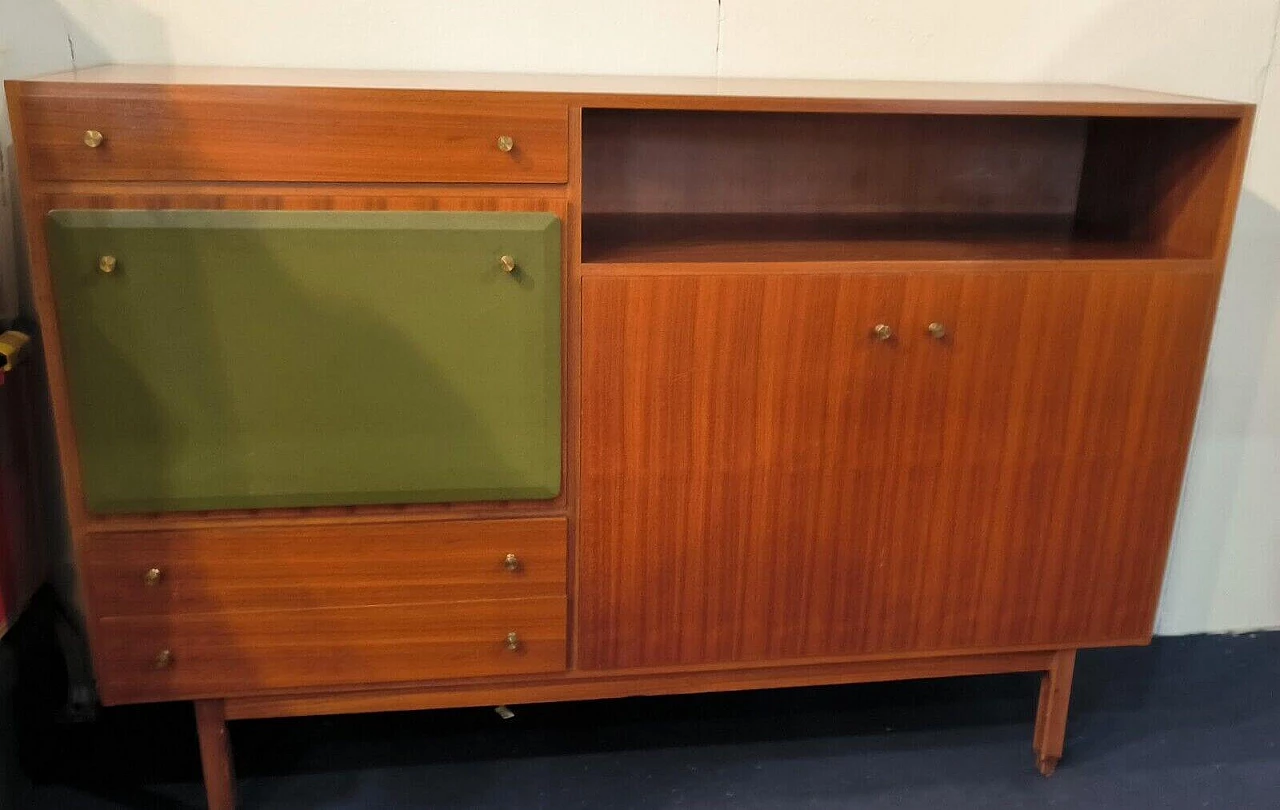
column 291, row 134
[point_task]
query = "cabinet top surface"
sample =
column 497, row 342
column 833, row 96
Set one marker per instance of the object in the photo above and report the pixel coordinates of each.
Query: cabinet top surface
column 690, row 91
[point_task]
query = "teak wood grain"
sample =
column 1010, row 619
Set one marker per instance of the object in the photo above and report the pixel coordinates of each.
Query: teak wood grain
column 677, row 185
column 215, row 754
column 680, row 162
column 156, row 133
column 1146, row 180
column 579, row 685
column 246, row 652
column 738, row 239
column 1051, row 711
column 691, row 92
column 277, row 568
column 763, row 479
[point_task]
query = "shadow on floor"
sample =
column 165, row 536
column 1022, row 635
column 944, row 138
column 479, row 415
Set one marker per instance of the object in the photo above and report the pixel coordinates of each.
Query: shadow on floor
column 1188, row 722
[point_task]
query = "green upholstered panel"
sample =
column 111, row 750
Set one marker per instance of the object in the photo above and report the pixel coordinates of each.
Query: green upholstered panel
column 239, row 359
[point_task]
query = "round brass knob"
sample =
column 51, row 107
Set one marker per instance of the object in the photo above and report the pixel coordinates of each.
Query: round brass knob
column 106, row 264
column 508, row 263
column 511, row 562
column 513, row 641
column 152, row 577
column 163, row 660
column 937, row 330
column 92, row 138
column 506, row 143
column 882, row 331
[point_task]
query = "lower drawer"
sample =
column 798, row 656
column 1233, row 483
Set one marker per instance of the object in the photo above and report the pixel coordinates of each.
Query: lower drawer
column 175, row 657
column 217, row 569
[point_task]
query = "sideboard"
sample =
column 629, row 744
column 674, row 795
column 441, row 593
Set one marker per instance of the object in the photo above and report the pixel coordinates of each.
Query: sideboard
column 402, row 391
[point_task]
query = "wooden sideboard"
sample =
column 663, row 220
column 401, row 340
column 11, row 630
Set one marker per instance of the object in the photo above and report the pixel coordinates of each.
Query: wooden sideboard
column 400, row 391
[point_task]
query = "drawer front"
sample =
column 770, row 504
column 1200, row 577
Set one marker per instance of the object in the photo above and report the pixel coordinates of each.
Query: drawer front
column 248, row 359
column 195, row 133
column 281, row 568
column 226, row 654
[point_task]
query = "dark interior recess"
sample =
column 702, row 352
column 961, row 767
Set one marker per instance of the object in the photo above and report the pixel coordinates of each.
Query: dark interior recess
column 686, row 186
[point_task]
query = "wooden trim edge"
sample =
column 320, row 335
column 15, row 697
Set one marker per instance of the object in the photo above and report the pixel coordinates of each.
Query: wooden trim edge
column 632, row 685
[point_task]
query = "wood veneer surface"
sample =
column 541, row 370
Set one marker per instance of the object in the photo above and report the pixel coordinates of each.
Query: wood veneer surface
column 758, row 92
column 247, row 652
column 740, row 238
column 283, row 567
column 154, row 132
column 761, row 479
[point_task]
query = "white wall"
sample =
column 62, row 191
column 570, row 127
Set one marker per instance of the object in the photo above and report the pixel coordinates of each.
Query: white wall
column 1225, row 570
column 30, row 38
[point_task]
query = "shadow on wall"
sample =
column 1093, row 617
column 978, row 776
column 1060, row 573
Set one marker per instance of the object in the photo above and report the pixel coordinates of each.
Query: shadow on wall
column 1224, row 564
column 46, row 39
column 40, row 36
column 146, row 31
column 1157, row 45
column 1220, row 498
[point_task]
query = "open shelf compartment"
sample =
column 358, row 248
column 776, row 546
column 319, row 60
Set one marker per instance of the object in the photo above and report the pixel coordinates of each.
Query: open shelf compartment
column 689, row 186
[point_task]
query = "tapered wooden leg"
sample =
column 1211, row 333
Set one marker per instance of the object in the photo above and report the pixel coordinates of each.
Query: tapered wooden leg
column 215, row 755
column 1051, row 714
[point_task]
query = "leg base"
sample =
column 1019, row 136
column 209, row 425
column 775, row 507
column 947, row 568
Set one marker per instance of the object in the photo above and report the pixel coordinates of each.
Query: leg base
column 215, row 755
column 1047, row 765
column 1051, row 714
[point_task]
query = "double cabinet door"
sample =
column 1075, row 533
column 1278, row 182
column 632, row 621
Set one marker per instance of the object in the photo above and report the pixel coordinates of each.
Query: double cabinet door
column 798, row 465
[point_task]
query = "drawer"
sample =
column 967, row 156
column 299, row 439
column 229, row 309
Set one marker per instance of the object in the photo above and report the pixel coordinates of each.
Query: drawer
column 211, row 133
column 295, row 567
column 146, row 658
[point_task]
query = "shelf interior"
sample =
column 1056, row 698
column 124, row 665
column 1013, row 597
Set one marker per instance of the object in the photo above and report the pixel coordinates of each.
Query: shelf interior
column 689, row 186
column 673, row 238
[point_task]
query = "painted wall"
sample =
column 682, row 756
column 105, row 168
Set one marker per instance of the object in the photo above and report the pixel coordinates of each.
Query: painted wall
column 1224, row 573
column 32, row 40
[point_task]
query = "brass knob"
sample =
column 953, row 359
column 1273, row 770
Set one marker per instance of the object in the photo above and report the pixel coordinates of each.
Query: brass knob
column 92, row 138
column 513, row 641
column 107, row 264
column 164, row 659
column 508, row 263
column 506, row 143
column 152, row 577
column 882, row 331
column 511, row 562
column 937, row 330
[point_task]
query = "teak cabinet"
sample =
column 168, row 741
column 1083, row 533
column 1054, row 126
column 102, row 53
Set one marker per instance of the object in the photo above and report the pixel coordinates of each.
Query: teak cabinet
column 381, row 392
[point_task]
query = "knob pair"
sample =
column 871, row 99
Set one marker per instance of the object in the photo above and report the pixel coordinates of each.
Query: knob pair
column 883, row 331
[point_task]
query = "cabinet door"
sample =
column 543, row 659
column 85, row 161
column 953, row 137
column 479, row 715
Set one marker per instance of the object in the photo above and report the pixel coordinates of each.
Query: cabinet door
column 235, row 359
column 763, row 478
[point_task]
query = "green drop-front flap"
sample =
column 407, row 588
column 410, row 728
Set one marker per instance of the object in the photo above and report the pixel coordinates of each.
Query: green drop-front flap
column 238, row 359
